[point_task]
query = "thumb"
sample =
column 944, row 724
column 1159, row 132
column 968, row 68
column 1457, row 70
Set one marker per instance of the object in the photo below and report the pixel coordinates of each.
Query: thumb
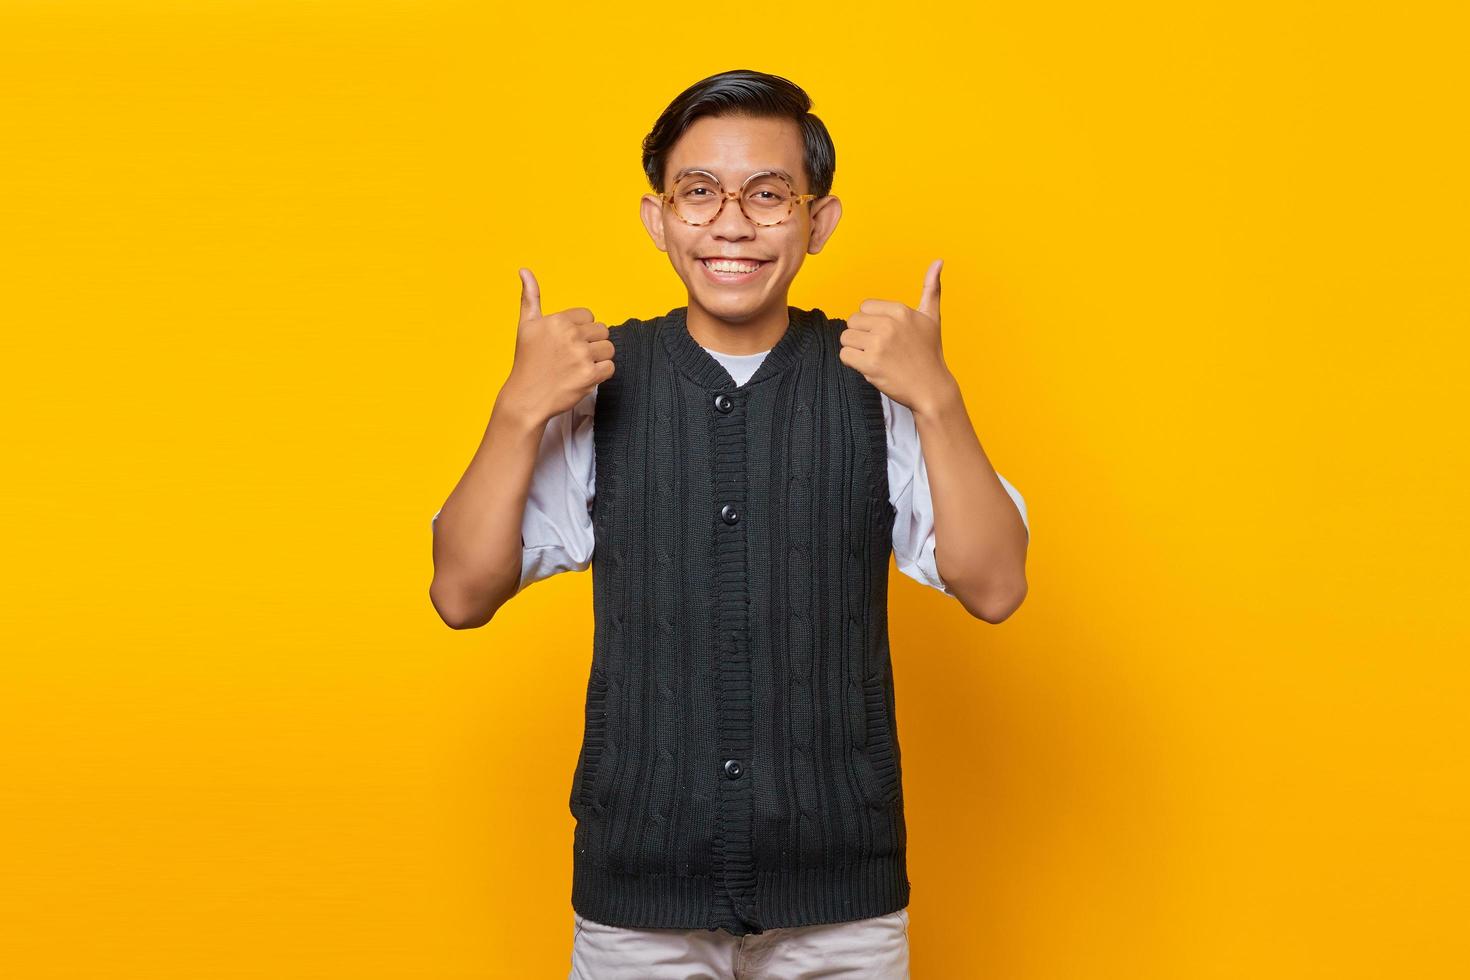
column 929, row 302
column 530, row 296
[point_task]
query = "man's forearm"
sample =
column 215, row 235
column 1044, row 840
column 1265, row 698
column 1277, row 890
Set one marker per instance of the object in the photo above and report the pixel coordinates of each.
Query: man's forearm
column 980, row 540
column 477, row 536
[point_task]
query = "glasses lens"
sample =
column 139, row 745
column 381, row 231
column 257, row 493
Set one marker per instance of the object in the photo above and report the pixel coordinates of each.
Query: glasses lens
column 768, row 199
column 696, row 198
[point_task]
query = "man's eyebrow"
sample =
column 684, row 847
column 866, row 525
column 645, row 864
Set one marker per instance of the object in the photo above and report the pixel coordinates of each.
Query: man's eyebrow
column 775, row 170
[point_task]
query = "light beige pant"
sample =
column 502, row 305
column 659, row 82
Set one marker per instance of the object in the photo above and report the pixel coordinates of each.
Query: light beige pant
column 870, row 949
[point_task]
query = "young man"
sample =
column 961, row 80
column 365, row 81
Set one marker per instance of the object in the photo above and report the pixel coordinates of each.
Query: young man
column 736, row 472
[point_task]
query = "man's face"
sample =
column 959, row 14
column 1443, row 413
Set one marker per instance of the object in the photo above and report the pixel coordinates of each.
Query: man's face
column 732, row 148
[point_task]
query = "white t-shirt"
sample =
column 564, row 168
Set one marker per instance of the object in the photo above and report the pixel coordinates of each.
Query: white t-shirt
column 557, row 525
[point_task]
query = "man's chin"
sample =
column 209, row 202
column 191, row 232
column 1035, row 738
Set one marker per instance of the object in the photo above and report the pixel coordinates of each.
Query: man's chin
column 730, row 308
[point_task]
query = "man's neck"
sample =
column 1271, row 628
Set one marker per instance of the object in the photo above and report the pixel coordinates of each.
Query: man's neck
column 751, row 336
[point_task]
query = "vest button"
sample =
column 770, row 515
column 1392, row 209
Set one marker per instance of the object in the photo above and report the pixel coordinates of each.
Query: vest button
column 733, row 769
column 729, row 515
column 723, row 403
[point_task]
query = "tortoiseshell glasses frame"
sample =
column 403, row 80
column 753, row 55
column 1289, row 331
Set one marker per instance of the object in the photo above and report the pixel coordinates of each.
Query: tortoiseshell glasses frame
column 739, row 197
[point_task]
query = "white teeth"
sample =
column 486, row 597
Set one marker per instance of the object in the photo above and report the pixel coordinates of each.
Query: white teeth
column 721, row 265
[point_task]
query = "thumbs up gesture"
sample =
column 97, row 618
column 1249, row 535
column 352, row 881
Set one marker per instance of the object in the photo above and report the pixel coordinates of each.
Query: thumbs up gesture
column 560, row 357
column 897, row 347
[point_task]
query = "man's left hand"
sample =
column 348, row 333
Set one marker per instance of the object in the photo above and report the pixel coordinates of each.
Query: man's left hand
column 896, row 347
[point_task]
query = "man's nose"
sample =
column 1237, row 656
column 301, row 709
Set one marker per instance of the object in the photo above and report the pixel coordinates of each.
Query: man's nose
column 732, row 222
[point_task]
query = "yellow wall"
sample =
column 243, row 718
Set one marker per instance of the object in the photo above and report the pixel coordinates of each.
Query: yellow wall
column 1206, row 290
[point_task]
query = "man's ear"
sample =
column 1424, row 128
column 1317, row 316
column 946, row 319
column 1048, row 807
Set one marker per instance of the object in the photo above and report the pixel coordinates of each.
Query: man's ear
column 825, row 212
column 651, row 210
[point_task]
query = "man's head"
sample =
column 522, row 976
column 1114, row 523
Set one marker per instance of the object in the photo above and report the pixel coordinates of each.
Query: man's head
column 731, row 126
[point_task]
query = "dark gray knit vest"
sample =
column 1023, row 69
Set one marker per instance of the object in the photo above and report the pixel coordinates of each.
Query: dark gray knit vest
column 739, row 767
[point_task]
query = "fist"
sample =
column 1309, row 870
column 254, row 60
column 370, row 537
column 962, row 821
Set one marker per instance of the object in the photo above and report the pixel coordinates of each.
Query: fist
column 560, row 357
column 896, row 347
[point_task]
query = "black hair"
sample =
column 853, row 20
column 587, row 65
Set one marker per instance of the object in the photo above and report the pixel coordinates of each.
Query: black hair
column 742, row 92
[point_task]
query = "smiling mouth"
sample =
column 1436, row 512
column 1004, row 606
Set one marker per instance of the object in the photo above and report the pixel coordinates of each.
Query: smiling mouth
column 733, row 271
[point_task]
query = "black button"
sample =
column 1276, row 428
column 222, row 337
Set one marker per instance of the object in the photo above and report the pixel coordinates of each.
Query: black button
column 723, row 403
column 733, row 769
column 729, row 514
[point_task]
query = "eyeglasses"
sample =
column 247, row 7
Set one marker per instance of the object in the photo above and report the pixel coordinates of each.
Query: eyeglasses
column 766, row 198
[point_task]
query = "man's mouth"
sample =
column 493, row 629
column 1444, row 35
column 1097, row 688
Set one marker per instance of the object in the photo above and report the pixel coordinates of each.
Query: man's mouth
column 733, row 270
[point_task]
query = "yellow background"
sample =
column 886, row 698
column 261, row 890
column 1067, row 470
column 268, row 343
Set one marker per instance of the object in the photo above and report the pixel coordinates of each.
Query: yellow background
column 1206, row 292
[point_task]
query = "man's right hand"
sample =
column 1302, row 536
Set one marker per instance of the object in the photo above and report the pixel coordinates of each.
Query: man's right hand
column 559, row 359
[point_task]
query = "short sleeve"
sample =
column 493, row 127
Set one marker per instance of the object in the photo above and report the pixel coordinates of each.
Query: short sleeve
column 556, row 529
column 556, row 526
column 914, row 539
column 908, row 492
